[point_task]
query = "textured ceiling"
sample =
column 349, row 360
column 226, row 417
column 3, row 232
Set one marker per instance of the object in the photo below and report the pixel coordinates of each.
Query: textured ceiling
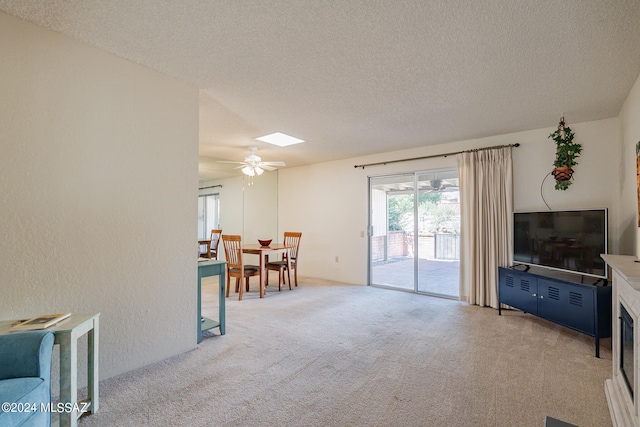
column 361, row 77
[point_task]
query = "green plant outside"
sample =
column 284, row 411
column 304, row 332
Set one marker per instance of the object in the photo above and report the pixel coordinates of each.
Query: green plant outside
column 400, row 211
column 397, row 207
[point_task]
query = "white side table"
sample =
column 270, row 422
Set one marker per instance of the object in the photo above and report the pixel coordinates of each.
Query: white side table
column 67, row 333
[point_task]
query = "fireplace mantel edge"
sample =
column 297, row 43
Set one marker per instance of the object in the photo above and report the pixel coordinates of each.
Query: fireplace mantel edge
column 626, row 266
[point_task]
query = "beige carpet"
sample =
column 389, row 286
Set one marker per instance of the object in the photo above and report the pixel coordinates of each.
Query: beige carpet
column 327, row 354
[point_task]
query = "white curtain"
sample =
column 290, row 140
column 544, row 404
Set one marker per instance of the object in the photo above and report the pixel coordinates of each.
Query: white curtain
column 486, row 206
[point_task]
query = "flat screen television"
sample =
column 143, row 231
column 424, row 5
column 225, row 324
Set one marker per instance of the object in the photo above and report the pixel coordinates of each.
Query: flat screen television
column 569, row 241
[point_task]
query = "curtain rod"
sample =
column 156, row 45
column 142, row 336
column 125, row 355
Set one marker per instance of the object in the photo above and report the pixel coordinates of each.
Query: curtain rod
column 436, row 155
column 212, row 186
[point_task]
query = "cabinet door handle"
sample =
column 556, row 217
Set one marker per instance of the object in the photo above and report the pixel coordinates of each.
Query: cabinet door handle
column 534, row 295
column 541, row 296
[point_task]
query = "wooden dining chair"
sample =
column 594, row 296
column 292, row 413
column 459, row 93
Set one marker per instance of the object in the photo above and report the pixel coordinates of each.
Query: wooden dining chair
column 292, row 241
column 235, row 263
column 211, row 250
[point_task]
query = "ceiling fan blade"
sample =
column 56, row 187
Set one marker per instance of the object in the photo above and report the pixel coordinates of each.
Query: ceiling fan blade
column 252, row 161
column 274, row 163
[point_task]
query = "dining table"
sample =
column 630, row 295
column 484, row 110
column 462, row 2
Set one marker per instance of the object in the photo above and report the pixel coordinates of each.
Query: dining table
column 263, row 253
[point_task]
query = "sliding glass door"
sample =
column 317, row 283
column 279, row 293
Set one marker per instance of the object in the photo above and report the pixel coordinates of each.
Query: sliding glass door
column 415, row 232
column 391, row 231
column 438, row 231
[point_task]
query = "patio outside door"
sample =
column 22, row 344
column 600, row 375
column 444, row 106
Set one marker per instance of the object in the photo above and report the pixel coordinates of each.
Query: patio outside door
column 415, row 232
column 391, row 225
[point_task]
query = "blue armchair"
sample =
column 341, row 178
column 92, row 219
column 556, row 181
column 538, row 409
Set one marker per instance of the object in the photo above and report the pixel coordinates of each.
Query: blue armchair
column 25, row 378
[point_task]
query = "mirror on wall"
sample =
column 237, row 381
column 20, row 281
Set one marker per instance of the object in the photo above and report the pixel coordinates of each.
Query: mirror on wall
column 260, row 207
column 248, row 206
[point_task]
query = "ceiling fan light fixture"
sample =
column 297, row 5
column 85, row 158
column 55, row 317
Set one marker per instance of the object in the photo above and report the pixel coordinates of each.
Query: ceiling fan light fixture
column 253, row 164
column 280, row 139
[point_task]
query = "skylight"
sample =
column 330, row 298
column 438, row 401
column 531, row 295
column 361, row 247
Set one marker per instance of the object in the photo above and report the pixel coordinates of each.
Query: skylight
column 280, row 139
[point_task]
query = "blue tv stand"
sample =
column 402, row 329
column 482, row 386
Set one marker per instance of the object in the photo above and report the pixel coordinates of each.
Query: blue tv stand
column 582, row 307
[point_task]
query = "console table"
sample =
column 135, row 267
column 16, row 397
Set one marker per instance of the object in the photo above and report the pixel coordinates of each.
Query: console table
column 582, row 307
column 66, row 334
column 205, row 269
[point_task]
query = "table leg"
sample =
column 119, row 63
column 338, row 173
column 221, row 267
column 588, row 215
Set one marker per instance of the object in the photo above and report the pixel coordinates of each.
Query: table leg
column 262, row 275
column 199, row 317
column 68, row 378
column 222, row 302
column 93, row 378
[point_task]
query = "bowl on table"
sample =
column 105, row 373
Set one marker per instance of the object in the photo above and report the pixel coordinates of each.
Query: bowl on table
column 264, row 242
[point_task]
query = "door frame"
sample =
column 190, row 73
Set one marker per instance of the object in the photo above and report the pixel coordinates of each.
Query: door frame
column 413, row 177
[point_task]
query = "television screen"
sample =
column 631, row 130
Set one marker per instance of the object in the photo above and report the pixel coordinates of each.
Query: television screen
column 562, row 240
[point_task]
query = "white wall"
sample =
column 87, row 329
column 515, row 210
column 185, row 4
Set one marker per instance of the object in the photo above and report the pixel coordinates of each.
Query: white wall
column 328, row 202
column 98, row 177
column 627, row 190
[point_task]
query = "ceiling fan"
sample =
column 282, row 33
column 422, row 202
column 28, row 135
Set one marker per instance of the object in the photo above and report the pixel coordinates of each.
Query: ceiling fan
column 253, row 164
